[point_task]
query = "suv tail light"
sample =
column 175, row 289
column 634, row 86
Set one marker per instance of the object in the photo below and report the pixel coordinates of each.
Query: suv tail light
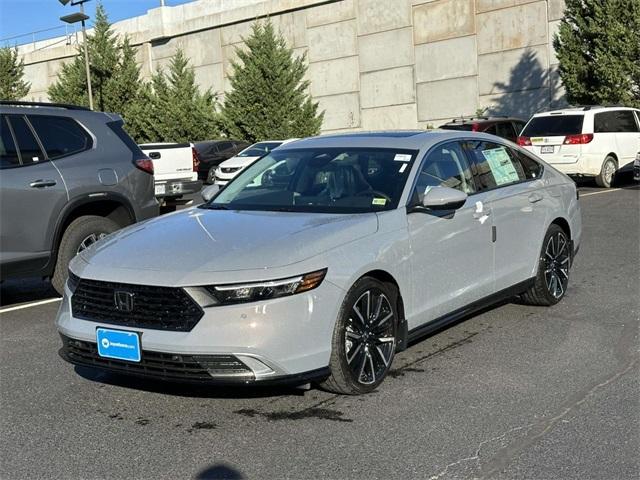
column 144, row 163
column 579, row 139
column 196, row 159
column 524, row 141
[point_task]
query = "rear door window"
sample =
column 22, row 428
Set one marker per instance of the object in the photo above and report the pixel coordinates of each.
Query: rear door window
column 8, row 153
column 60, row 136
column 27, row 144
column 554, row 126
column 626, row 121
column 617, row 121
column 494, row 164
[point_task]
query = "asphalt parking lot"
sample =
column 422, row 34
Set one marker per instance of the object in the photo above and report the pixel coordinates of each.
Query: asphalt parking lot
column 515, row 392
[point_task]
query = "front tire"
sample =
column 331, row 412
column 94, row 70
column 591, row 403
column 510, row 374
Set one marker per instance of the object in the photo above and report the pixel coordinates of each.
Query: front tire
column 80, row 234
column 364, row 338
column 552, row 279
column 607, row 173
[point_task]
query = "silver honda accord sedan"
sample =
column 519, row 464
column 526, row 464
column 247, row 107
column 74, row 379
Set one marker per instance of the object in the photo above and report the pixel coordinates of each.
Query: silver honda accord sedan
column 322, row 260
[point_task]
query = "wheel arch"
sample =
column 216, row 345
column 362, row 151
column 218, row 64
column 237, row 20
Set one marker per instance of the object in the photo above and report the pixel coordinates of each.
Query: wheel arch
column 110, row 205
column 563, row 224
column 385, row 277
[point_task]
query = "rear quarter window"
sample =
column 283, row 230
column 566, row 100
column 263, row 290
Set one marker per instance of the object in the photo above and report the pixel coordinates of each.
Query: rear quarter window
column 554, row 126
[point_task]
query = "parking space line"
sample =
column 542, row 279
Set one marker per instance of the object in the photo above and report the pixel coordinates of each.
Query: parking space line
column 597, row 193
column 29, row 305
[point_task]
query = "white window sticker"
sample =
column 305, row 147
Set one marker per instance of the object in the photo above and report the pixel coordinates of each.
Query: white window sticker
column 403, row 167
column 402, row 157
column 379, row 201
column 501, row 166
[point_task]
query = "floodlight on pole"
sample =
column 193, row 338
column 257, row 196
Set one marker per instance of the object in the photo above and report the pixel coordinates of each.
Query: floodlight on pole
column 75, row 18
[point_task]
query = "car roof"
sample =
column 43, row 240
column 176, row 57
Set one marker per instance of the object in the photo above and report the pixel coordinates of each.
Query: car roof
column 582, row 109
column 401, row 139
column 53, row 109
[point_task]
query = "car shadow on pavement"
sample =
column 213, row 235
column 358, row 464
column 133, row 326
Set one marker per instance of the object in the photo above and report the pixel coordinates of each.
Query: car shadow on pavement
column 25, row 290
column 186, row 389
column 219, row 471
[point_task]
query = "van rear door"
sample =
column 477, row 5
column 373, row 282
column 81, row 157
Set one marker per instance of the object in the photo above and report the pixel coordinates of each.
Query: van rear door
column 556, row 138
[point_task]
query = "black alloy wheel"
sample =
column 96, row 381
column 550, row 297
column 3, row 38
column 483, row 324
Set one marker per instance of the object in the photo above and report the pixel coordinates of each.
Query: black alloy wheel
column 364, row 338
column 556, row 261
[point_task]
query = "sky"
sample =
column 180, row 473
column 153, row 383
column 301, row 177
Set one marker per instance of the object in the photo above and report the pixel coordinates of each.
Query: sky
column 19, row 17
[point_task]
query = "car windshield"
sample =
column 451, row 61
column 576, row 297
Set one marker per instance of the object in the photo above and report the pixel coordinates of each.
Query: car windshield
column 553, row 126
column 334, row 180
column 259, row 149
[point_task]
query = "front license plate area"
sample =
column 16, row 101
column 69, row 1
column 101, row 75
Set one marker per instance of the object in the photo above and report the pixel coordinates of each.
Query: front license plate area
column 546, row 149
column 160, row 189
column 118, row 344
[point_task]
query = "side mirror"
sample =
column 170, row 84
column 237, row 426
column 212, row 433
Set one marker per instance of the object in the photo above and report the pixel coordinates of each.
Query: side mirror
column 443, row 198
column 209, row 192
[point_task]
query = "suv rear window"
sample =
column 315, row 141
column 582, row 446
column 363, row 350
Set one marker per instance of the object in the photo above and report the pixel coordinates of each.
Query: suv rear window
column 60, row 136
column 554, row 126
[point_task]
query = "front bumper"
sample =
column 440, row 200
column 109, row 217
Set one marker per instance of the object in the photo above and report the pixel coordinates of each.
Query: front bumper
column 191, row 369
column 283, row 340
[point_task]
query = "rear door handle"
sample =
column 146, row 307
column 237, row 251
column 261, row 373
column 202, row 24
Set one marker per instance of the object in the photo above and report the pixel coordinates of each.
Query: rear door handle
column 154, row 155
column 42, row 183
column 535, row 197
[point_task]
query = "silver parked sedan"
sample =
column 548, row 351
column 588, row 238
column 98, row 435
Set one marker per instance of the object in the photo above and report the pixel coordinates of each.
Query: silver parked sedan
column 324, row 259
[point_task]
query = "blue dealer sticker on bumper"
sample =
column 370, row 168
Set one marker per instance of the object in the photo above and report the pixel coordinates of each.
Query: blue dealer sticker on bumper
column 118, row 344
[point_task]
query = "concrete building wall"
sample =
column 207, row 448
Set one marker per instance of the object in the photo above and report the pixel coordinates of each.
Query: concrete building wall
column 373, row 64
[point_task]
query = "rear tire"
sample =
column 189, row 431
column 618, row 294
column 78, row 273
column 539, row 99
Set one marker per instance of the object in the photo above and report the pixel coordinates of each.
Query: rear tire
column 607, row 173
column 552, row 277
column 80, row 234
column 364, row 339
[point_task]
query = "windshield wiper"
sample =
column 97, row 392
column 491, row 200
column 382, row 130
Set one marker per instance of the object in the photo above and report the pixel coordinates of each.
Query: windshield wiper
column 215, row 206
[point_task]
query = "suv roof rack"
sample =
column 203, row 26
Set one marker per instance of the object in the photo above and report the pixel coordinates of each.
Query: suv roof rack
column 42, row 104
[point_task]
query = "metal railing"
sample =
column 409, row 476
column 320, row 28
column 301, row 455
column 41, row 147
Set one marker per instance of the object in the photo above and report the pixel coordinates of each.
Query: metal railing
column 70, row 36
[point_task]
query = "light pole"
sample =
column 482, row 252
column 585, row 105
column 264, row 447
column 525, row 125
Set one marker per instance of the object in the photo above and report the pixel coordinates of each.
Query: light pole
column 81, row 17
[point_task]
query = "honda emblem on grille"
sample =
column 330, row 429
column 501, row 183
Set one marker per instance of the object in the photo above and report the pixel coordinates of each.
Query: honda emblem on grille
column 123, row 300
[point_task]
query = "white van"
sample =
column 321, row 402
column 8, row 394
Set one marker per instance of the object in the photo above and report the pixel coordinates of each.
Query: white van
column 585, row 141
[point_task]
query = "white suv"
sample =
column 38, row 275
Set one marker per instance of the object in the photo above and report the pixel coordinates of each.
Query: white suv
column 585, row 141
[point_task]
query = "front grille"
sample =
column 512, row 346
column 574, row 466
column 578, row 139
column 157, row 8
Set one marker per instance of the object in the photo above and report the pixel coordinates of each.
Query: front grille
column 158, row 308
column 166, row 366
column 230, row 169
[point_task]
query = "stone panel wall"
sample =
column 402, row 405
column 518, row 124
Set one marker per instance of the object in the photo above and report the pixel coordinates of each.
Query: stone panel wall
column 373, row 64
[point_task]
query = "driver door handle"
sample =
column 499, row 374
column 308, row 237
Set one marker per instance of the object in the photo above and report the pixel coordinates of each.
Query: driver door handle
column 42, row 183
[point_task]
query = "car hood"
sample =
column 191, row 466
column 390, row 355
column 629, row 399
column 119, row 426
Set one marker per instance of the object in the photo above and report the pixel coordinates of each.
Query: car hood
column 201, row 240
column 238, row 162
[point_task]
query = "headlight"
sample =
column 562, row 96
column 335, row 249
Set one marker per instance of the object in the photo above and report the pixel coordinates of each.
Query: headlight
column 72, row 281
column 253, row 292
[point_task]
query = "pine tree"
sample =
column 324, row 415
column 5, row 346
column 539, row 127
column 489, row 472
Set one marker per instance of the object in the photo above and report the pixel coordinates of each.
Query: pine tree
column 175, row 110
column 115, row 75
column 598, row 46
column 12, row 85
column 268, row 97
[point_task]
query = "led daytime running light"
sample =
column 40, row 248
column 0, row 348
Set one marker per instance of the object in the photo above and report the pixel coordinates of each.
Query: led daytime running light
column 252, row 292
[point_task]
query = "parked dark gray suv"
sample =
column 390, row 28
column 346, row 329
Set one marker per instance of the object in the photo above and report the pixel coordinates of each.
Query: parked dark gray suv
column 68, row 177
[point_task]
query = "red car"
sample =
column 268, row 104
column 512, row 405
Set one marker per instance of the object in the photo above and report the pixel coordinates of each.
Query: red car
column 505, row 127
